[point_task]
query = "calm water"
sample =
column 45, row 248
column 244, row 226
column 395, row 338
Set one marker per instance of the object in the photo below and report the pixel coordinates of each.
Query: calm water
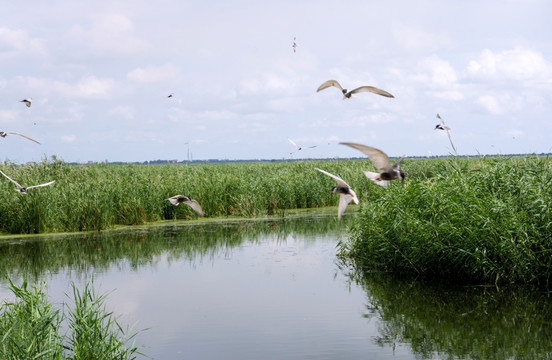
column 277, row 290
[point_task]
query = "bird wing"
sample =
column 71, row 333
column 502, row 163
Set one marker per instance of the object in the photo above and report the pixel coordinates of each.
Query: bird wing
column 450, row 139
column 442, row 123
column 329, row 83
column 194, row 205
column 340, row 181
column 294, row 144
column 398, row 162
column 174, row 200
column 26, row 137
column 35, row 186
column 374, row 177
column 371, row 89
column 378, row 157
column 344, row 200
column 12, row 180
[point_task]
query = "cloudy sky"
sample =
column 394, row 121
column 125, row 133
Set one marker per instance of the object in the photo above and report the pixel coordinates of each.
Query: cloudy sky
column 99, row 74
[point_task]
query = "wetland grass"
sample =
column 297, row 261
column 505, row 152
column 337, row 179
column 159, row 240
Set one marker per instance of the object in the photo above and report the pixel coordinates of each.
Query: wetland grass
column 31, row 327
column 485, row 220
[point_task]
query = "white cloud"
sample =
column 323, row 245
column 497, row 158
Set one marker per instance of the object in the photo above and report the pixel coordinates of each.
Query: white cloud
column 517, row 64
column 436, row 72
column 15, row 41
column 68, row 138
column 126, row 112
column 152, row 73
column 415, row 38
column 90, row 87
column 498, row 104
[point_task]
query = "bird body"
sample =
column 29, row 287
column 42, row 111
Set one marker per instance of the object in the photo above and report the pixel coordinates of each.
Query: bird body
column 348, row 94
column 442, row 126
column 4, row 134
column 299, row 147
column 346, row 194
column 27, row 102
column 294, row 46
column 387, row 172
column 23, row 190
column 178, row 199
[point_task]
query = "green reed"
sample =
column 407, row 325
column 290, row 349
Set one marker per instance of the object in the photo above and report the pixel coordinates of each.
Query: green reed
column 31, row 327
column 480, row 220
column 98, row 196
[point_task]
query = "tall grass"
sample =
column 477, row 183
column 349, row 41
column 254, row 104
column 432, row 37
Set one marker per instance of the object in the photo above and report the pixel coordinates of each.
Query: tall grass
column 31, row 328
column 485, row 220
column 98, row 196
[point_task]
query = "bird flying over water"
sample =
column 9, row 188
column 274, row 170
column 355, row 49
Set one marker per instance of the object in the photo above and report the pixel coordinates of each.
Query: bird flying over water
column 178, row 199
column 346, row 194
column 27, row 102
column 442, row 126
column 348, row 94
column 23, row 190
column 381, row 162
column 4, row 134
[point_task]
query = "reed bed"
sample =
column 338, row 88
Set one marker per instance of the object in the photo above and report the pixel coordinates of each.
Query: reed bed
column 99, row 196
column 31, row 327
column 485, row 220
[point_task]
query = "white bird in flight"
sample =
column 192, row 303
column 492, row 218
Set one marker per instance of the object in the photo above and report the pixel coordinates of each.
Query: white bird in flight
column 442, row 126
column 4, row 134
column 299, row 147
column 381, row 162
column 27, row 102
column 178, row 199
column 346, row 194
column 348, row 94
column 23, row 190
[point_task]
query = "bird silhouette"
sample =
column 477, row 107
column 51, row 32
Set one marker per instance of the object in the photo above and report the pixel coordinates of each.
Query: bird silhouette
column 346, row 194
column 27, row 102
column 442, row 126
column 179, row 199
column 22, row 189
column 387, row 172
column 348, row 94
column 4, row 134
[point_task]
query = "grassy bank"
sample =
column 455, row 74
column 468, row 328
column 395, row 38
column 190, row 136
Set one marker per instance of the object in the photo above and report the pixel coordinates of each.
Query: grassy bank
column 98, row 196
column 31, row 327
column 482, row 220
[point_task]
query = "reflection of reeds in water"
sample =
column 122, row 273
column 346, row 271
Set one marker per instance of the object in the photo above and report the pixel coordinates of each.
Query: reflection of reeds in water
column 143, row 246
column 458, row 322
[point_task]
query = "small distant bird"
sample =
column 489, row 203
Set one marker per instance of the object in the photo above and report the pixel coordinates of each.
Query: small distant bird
column 442, row 126
column 294, row 46
column 4, row 134
column 299, row 147
column 178, row 199
column 27, row 102
column 346, row 194
column 382, row 163
column 170, row 95
column 23, row 190
column 348, row 94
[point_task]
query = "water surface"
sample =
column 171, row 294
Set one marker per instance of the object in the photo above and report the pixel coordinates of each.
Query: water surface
column 276, row 289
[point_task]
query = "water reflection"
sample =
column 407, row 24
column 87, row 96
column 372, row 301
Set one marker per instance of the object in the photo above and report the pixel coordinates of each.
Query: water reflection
column 447, row 322
column 275, row 288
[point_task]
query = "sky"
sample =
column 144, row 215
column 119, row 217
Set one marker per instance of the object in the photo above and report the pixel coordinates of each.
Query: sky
column 99, row 74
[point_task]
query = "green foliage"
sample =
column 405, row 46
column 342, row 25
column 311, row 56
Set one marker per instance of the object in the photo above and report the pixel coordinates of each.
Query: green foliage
column 483, row 220
column 30, row 328
column 99, row 196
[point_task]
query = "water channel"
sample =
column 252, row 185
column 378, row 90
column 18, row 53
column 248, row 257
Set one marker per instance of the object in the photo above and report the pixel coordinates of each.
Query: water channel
column 276, row 289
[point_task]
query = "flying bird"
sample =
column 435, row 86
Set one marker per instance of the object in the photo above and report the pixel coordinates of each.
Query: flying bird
column 442, row 126
column 299, row 147
column 23, row 190
column 4, row 134
column 178, row 199
column 27, row 102
column 170, row 95
column 348, row 94
column 382, row 163
column 346, row 194
column 294, row 46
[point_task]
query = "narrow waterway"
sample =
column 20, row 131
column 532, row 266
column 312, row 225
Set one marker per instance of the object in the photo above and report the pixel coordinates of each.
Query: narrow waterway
column 275, row 289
